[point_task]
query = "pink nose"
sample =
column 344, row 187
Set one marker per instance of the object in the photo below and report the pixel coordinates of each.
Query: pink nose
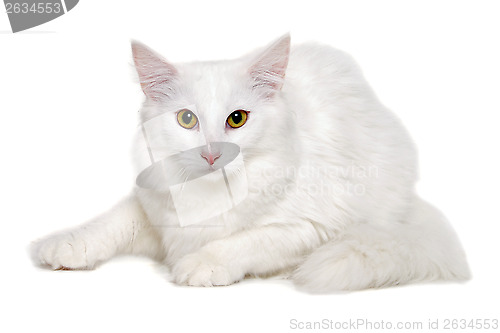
column 210, row 157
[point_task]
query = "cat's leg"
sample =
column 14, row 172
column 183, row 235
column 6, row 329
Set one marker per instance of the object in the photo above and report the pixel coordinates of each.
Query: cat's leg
column 258, row 251
column 123, row 229
column 422, row 248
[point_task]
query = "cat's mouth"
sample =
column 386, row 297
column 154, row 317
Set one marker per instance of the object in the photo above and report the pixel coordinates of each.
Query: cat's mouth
column 186, row 166
column 198, row 182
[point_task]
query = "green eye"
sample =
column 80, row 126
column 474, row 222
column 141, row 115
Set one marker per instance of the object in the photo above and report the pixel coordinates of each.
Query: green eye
column 237, row 119
column 186, row 119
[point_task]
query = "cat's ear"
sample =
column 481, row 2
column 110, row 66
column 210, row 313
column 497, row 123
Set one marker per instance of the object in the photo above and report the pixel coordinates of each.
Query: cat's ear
column 268, row 70
column 156, row 75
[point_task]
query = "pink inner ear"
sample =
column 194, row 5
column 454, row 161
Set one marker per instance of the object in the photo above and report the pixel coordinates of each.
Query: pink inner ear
column 155, row 74
column 269, row 69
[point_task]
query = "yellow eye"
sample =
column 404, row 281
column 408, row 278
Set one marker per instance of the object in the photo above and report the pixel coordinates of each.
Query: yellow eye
column 186, row 119
column 237, row 119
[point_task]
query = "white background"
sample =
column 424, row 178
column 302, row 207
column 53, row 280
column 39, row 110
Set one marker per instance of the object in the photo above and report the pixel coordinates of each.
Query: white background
column 68, row 107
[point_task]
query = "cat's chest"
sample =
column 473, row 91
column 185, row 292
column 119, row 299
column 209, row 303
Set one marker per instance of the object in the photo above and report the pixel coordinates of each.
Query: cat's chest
column 180, row 235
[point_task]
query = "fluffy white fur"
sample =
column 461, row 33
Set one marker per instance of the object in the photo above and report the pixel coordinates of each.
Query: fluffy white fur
column 331, row 176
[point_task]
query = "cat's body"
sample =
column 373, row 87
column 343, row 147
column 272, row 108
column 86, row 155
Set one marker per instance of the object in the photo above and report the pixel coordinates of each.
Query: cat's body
column 331, row 175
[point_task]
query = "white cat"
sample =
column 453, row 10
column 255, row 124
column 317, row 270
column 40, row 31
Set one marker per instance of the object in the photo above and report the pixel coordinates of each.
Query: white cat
column 330, row 176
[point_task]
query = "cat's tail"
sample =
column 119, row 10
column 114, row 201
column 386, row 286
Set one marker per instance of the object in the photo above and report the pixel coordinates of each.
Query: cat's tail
column 423, row 248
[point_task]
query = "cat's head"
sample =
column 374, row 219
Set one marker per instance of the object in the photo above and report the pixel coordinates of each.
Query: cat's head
column 237, row 101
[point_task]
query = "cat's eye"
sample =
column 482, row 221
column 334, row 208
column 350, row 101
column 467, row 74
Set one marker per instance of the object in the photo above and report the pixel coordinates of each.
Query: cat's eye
column 187, row 119
column 237, row 118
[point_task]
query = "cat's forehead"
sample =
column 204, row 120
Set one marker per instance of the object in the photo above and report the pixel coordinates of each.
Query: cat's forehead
column 212, row 84
column 204, row 74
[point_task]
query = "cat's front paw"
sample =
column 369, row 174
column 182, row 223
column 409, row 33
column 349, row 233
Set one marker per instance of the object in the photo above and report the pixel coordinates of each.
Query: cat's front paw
column 203, row 270
column 62, row 251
